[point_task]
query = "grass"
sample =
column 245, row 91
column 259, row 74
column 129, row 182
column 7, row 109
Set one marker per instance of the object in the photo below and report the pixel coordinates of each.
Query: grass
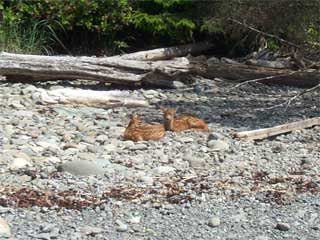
column 37, row 37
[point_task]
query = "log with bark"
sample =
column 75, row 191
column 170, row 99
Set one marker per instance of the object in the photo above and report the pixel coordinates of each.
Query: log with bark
column 80, row 97
column 285, row 128
column 241, row 72
column 130, row 69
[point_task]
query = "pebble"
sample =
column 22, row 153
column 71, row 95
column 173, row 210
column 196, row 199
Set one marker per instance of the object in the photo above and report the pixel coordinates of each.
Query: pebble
column 127, row 144
column 5, row 231
column 215, row 136
column 262, row 237
column 43, row 236
column 81, row 168
column 121, row 227
column 47, row 144
column 135, row 219
column 139, row 146
column 282, row 226
column 146, row 179
column 89, row 230
column 18, row 163
column 116, row 132
column 48, row 227
column 218, row 145
column 214, row 222
column 162, row 170
column 110, row 147
column 186, row 139
column 197, row 163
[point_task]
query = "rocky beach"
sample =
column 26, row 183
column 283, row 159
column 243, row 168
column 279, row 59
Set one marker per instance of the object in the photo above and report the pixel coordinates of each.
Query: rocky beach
column 66, row 172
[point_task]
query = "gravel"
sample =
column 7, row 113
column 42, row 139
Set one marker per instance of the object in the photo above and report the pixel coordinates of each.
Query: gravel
column 75, row 178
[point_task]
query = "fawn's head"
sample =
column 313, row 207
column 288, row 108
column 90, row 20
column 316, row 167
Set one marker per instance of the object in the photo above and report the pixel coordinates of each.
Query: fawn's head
column 168, row 113
column 134, row 119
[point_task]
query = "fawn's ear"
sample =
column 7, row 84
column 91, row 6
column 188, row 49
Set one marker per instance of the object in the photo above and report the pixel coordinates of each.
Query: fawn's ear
column 134, row 115
column 163, row 109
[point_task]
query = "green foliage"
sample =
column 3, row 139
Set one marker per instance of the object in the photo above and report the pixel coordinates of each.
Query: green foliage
column 109, row 26
column 178, row 29
column 273, row 44
column 294, row 21
column 313, row 35
column 172, row 20
column 106, row 23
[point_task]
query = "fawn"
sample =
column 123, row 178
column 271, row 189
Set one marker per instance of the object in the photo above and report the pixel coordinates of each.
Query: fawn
column 182, row 123
column 139, row 131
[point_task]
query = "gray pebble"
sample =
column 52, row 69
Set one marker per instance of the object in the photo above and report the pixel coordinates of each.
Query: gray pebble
column 282, row 226
column 214, row 222
column 82, row 168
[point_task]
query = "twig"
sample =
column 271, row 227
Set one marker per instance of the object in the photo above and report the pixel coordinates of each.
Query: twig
column 264, row 33
column 313, row 64
column 288, row 102
column 260, row 79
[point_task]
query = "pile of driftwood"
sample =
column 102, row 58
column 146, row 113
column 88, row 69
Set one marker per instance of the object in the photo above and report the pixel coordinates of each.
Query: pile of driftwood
column 164, row 67
column 265, row 66
column 159, row 67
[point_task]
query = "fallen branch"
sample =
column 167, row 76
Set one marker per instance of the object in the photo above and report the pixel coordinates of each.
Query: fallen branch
column 268, row 132
column 248, row 73
column 288, row 102
column 264, row 33
column 260, row 79
column 80, row 97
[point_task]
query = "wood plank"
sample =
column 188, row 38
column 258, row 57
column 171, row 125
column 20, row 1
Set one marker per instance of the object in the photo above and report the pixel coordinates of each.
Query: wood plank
column 284, row 128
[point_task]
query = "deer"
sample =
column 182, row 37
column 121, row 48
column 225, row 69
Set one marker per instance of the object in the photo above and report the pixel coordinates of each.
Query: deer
column 140, row 131
column 183, row 123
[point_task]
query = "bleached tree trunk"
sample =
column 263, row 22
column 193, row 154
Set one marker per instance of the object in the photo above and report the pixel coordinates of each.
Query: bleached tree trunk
column 110, row 70
column 80, row 97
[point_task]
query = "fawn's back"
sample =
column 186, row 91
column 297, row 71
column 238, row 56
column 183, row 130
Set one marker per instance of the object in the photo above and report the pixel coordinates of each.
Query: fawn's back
column 139, row 131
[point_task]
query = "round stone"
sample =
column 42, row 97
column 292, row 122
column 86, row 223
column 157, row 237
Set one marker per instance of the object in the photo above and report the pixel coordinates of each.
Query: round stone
column 82, row 168
column 282, row 226
column 218, row 145
column 214, row 222
column 18, row 163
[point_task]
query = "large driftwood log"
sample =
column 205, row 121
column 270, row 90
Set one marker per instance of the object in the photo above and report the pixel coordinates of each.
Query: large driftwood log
column 268, row 132
column 80, row 97
column 242, row 72
column 110, row 70
column 167, row 53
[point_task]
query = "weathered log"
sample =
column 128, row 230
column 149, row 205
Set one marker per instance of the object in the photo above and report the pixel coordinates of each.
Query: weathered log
column 80, row 97
column 277, row 64
column 110, row 70
column 243, row 72
column 285, row 128
column 168, row 53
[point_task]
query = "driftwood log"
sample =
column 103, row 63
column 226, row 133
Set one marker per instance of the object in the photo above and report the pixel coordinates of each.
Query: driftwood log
column 285, row 128
column 135, row 69
column 242, row 72
column 80, row 97
column 167, row 53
